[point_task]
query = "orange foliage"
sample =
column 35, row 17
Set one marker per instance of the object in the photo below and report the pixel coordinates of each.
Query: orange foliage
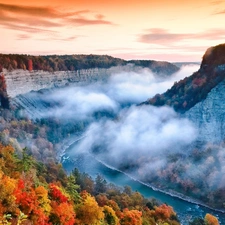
column 164, row 212
column 64, row 213
column 131, row 217
column 211, row 220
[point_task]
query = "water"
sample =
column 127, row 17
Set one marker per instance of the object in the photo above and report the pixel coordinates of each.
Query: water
column 186, row 210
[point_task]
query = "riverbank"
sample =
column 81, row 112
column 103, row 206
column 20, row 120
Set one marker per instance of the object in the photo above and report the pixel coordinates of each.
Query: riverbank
column 186, row 210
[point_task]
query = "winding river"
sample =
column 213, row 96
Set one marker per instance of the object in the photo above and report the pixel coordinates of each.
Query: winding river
column 186, row 210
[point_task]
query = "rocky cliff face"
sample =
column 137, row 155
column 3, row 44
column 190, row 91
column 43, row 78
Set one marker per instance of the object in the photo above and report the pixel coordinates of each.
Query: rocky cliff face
column 24, row 81
column 200, row 97
column 209, row 115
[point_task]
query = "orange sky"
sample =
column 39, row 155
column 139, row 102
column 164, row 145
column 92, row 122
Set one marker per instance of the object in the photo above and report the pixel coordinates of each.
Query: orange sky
column 171, row 30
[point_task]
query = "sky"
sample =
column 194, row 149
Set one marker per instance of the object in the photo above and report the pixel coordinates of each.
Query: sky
column 167, row 30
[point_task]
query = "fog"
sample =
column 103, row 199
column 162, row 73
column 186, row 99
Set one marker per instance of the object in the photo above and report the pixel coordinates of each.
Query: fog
column 139, row 134
column 139, row 137
column 122, row 89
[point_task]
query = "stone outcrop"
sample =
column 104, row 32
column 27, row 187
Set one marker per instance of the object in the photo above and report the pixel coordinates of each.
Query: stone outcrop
column 200, row 97
column 23, row 81
column 209, row 115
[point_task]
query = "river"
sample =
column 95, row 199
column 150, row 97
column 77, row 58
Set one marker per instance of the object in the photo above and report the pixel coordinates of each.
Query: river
column 186, row 210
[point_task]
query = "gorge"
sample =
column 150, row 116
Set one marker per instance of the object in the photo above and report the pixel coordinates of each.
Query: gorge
column 114, row 131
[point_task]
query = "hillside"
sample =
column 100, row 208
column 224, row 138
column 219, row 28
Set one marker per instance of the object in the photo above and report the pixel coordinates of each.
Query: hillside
column 184, row 94
column 25, row 73
column 77, row 62
column 35, row 193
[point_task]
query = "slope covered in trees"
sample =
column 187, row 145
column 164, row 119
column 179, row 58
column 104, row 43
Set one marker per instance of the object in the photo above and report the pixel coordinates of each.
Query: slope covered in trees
column 76, row 62
column 186, row 93
column 35, row 193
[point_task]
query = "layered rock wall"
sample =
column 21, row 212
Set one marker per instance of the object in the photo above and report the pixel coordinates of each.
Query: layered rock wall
column 24, row 81
column 209, row 115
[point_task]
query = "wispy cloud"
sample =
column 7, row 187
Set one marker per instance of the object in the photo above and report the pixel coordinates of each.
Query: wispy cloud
column 216, row 2
column 45, row 19
column 55, row 38
column 164, row 37
column 219, row 12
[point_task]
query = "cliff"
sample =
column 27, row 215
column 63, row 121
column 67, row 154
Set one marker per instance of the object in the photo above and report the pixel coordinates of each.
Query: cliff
column 24, row 73
column 200, row 97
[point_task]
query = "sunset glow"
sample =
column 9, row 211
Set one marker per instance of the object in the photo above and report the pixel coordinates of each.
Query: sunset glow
column 175, row 30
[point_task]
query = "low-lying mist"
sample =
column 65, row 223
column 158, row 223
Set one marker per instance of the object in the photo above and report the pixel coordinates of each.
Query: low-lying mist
column 139, row 135
column 120, row 90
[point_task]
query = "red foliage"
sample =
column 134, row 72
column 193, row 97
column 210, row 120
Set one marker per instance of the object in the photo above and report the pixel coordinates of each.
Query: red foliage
column 30, row 65
column 56, row 194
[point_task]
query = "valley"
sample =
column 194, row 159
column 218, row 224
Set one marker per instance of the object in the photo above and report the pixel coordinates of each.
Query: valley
column 168, row 142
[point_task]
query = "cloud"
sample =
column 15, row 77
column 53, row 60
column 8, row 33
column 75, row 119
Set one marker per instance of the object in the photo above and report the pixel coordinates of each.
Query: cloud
column 216, row 2
column 55, row 38
column 164, row 37
column 219, row 12
column 32, row 17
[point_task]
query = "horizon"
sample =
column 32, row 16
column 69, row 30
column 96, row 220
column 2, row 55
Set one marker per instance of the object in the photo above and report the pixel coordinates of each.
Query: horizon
column 172, row 31
column 178, row 62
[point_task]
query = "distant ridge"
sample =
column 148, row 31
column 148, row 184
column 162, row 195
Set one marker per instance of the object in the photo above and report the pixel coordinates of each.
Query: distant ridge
column 53, row 63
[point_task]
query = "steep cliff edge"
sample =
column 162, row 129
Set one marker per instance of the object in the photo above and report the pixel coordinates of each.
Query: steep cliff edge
column 201, row 96
column 186, row 93
column 24, row 73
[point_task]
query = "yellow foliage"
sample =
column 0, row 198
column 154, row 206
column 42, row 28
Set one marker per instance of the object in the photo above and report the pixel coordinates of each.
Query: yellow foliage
column 110, row 216
column 88, row 211
column 42, row 196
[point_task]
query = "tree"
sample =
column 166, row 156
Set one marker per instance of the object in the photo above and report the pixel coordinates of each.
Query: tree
column 211, row 220
column 26, row 162
column 30, row 64
column 63, row 213
column 56, row 194
column 110, row 216
column 100, row 185
column 164, row 212
column 131, row 217
column 3, row 92
column 42, row 197
column 88, row 211
column 72, row 188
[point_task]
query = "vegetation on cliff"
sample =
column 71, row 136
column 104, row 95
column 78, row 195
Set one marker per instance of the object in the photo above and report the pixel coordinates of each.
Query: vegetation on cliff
column 77, row 62
column 186, row 93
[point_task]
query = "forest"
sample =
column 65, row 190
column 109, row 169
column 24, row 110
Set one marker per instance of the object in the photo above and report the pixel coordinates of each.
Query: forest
column 53, row 63
column 36, row 193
